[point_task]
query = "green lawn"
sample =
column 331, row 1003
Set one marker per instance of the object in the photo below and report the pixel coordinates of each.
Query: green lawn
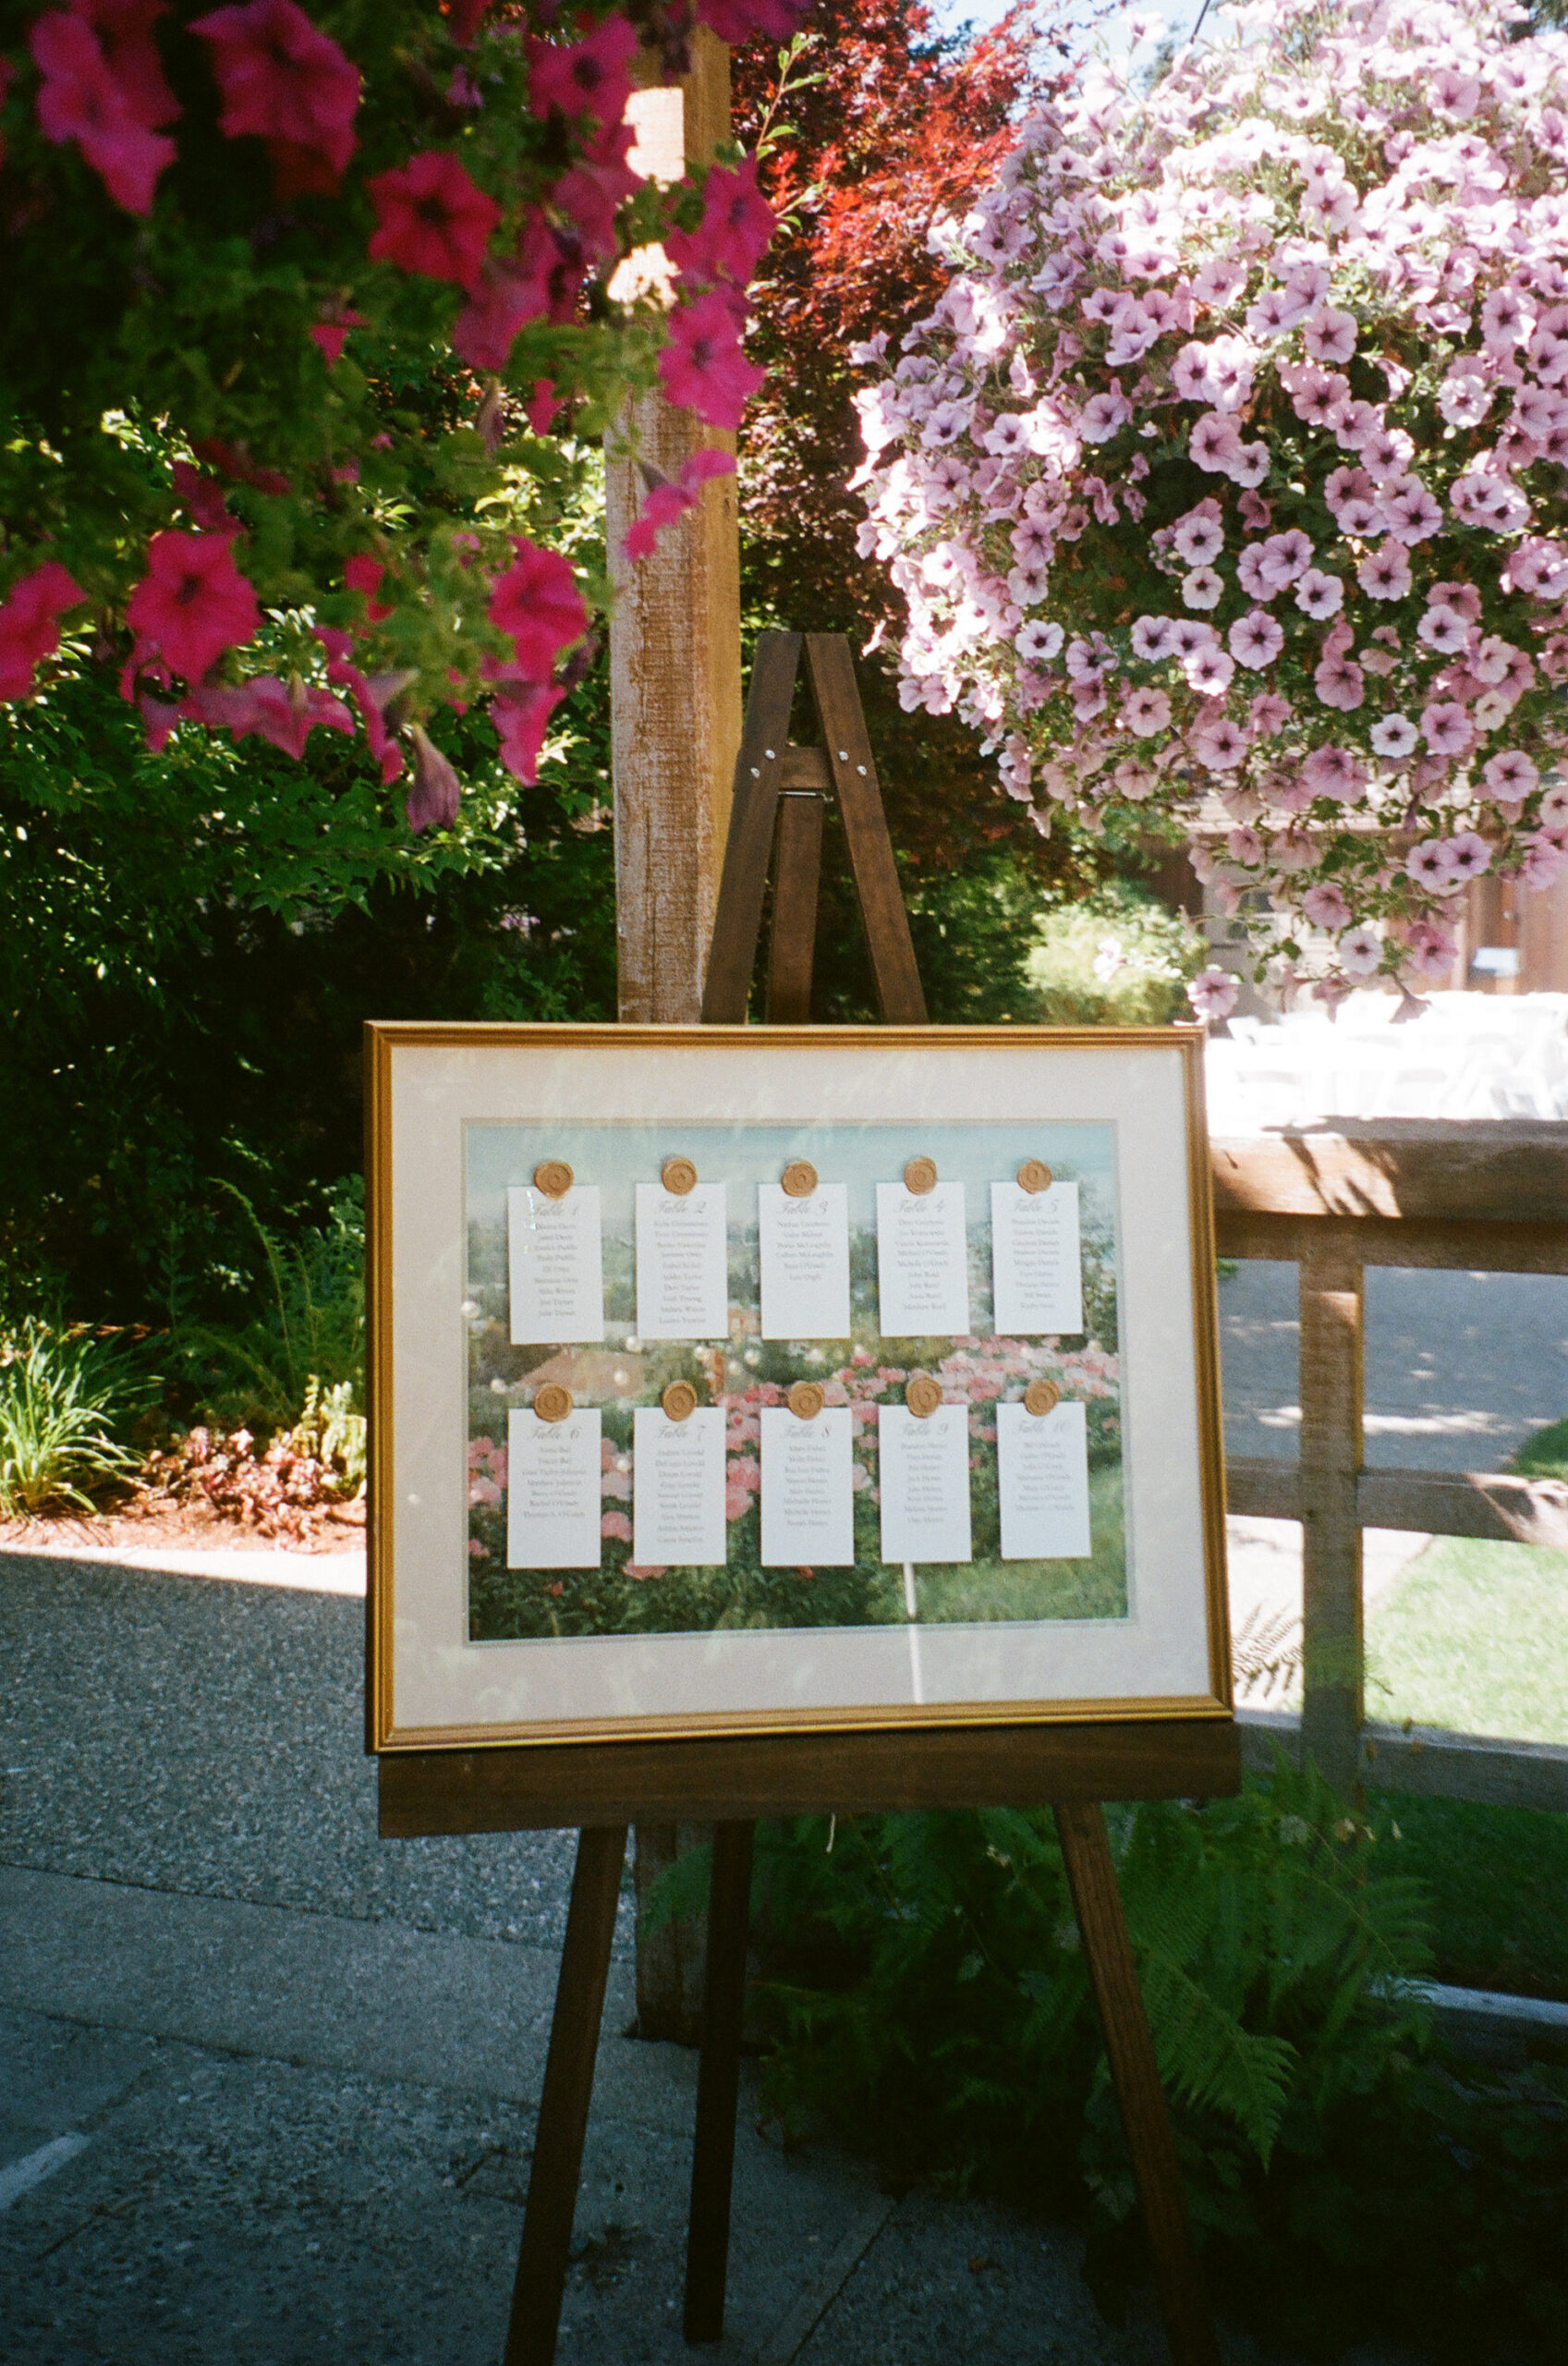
column 1475, row 1638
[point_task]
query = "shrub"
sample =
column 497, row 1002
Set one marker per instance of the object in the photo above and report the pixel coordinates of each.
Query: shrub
column 1118, row 958
column 926, row 1995
column 62, row 1395
column 306, row 1352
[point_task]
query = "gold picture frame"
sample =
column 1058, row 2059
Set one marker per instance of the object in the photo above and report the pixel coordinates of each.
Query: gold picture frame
column 435, row 1089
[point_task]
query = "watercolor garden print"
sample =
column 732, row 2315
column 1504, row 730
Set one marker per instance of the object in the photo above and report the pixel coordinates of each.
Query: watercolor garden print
column 745, row 1375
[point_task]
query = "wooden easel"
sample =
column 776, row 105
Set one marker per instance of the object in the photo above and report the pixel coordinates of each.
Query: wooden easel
column 778, row 801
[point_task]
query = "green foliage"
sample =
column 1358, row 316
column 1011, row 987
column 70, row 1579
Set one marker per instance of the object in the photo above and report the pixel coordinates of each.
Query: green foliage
column 302, row 1360
column 1117, row 957
column 62, row 1397
column 1545, row 1455
column 926, row 1997
column 330, row 1432
column 1498, row 1878
column 189, row 945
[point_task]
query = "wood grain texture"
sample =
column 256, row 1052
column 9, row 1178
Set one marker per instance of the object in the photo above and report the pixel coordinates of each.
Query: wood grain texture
column 1332, row 1324
column 743, row 884
column 1509, row 1170
column 563, row 2101
column 831, row 669
column 732, row 1780
column 797, row 870
column 1487, row 1244
column 1091, row 1876
column 674, row 667
column 1488, row 1504
column 717, row 2081
column 1426, row 1761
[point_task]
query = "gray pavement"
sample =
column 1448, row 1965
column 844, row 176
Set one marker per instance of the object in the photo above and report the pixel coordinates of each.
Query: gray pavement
column 1461, row 1368
column 268, row 2084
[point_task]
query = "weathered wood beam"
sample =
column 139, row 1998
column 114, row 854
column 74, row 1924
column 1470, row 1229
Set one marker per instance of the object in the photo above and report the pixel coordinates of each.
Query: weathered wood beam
column 1510, row 1171
column 1426, row 1761
column 1487, row 1504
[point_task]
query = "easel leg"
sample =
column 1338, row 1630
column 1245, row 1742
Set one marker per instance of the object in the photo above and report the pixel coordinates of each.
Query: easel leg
column 1091, row 1876
column 563, row 2109
column 717, row 2081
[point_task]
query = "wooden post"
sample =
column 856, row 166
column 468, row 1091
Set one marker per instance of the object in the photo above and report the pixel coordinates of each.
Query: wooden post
column 674, row 642
column 717, row 2081
column 1331, row 1355
column 675, row 727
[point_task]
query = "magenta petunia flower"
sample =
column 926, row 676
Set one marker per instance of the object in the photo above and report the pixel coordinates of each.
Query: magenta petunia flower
column 537, row 604
column 191, row 604
column 435, row 792
column 30, row 624
column 81, row 99
column 587, row 76
column 703, row 367
column 432, row 219
column 282, row 79
column 670, row 498
column 737, row 222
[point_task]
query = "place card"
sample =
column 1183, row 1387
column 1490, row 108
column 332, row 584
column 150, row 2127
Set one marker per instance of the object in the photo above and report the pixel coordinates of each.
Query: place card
column 555, row 1264
column 803, row 1244
column 678, row 1489
column 922, row 1260
column 553, row 1495
column 682, row 1262
column 923, row 1478
column 807, row 1501
column 1042, row 1482
column 1036, row 1266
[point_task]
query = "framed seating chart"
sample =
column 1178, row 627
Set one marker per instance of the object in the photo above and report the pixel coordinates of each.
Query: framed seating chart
column 732, row 1381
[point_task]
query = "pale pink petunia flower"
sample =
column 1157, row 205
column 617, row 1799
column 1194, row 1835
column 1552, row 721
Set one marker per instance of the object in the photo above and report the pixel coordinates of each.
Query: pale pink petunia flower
column 1340, row 684
column 1360, row 952
column 1209, row 671
column 1331, row 335
column 1256, row 640
column 1221, row 745
column 1325, row 906
column 1385, row 574
column 1213, row 992
column 1429, row 865
column 1202, row 589
column 1445, row 727
column 1511, row 775
column 1151, row 639
column 1395, row 736
column 1269, row 713
column 1320, row 596
column 1145, row 713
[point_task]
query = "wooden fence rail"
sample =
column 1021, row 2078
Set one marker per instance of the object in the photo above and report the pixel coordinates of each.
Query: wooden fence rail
column 1487, row 1197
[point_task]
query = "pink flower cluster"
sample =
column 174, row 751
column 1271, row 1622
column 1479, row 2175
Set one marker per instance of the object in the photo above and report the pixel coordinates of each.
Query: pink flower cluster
column 520, row 257
column 1227, row 477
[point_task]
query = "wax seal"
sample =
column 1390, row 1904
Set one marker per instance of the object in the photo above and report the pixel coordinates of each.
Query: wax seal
column 807, row 1399
column 679, row 1400
column 678, row 1175
column 1041, row 1397
column 919, row 1177
column 923, row 1395
column 798, row 1180
column 553, row 1177
column 1034, row 1175
column 552, row 1403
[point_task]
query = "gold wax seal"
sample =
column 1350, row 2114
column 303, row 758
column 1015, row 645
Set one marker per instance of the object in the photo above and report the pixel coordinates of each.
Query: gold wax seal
column 798, row 1180
column 552, row 1403
column 919, row 1177
column 1041, row 1397
column 679, row 1400
column 678, row 1175
column 922, row 1394
column 553, row 1177
column 807, row 1399
column 1034, row 1175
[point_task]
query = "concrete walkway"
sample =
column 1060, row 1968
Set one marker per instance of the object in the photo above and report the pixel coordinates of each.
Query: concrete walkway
column 268, row 2084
